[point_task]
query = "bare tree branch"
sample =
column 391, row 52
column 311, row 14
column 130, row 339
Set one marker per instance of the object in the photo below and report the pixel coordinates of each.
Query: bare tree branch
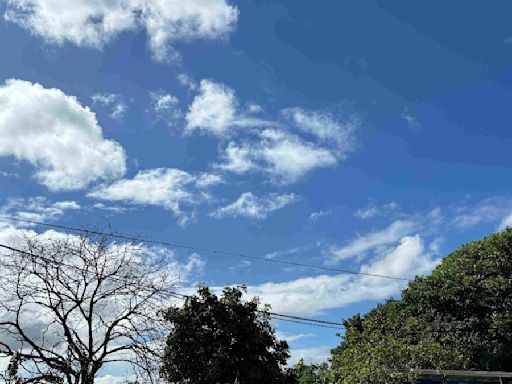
column 71, row 304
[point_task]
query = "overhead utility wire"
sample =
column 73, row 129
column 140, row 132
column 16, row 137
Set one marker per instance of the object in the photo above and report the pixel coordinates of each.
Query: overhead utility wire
column 201, row 249
column 276, row 316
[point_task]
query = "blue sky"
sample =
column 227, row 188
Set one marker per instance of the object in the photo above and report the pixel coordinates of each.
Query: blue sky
column 366, row 135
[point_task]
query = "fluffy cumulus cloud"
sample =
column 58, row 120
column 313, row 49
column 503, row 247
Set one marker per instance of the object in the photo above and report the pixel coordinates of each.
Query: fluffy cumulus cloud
column 165, row 187
column 282, row 156
column 409, row 256
column 57, row 135
column 284, row 148
column 214, row 110
column 249, row 205
column 114, row 102
column 96, row 23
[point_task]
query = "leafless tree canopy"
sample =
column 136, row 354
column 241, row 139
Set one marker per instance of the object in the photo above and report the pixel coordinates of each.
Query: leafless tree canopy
column 71, row 304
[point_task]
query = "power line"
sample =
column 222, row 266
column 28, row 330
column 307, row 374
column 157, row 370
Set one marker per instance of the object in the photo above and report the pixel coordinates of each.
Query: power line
column 201, row 249
column 278, row 316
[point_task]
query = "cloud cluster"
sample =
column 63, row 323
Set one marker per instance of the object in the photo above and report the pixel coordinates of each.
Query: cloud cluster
column 170, row 188
column 313, row 295
column 37, row 208
column 249, row 205
column 284, row 149
column 96, row 23
column 57, row 135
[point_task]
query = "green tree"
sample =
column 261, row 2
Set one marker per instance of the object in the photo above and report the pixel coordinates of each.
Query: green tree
column 460, row 317
column 223, row 341
column 311, row 373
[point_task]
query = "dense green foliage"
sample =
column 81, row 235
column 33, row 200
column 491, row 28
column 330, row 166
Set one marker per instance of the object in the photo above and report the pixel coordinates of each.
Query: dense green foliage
column 223, row 341
column 311, row 374
column 460, row 317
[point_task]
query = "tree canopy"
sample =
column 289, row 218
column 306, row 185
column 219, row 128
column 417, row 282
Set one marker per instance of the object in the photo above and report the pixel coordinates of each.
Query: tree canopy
column 311, row 373
column 71, row 305
column 460, row 317
column 222, row 341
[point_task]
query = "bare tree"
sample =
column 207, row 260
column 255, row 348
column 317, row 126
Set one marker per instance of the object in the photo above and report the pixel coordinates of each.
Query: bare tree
column 69, row 305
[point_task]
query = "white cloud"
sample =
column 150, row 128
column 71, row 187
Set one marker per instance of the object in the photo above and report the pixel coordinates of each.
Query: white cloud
column 104, row 207
column 214, row 110
column 96, row 23
column 186, row 81
column 288, row 251
column 324, row 126
column 411, row 121
column 408, row 258
column 506, row 222
column 195, row 264
column 38, row 322
column 114, row 102
column 283, row 156
column 237, row 159
column 57, row 135
column 249, row 205
column 37, row 209
column 373, row 210
column 165, row 187
column 311, row 355
column 319, row 214
column 290, row 338
column 312, row 296
column 206, row 180
column 486, row 211
column 285, row 148
column 109, row 379
column 166, row 107
column 391, row 234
